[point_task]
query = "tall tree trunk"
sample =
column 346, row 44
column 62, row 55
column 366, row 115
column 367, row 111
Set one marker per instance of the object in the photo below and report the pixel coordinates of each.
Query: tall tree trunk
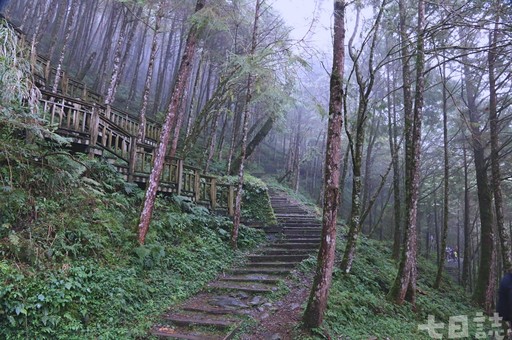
column 484, row 286
column 212, row 141
column 113, row 22
column 116, row 67
column 466, row 265
column 177, row 94
column 444, row 234
column 503, row 233
column 404, row 286
column 71, row 15
column 317, row 303
column 255, row 141
column 245, row 127
column 234, row 133
column 393, row 147
column 141, row 135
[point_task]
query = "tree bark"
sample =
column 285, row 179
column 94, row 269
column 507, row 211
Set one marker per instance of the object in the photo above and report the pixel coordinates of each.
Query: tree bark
column 444, row 233
column 503, row 233
column 245, row 127
column 71, row 15
column 365, row 89
column 466, row 268
column 177, row 94
column 404, row 286
column 317, row 304
column 116, row 67
column 393, row 147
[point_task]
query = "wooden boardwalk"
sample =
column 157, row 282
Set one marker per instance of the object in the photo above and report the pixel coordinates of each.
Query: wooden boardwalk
column 79, row 114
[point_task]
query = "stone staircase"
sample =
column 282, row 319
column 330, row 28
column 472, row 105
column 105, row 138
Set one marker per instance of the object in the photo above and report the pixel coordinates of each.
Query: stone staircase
column 242, row 292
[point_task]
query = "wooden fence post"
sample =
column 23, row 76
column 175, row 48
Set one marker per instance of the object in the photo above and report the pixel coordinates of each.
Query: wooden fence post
column 84, row 93
column 47, row 71
column 64, row 83
column 213, row 193
column 93, row 129
column 179, row 177
column 231, row 198
column 197, row 185
column 107, row 112
column 132, row 159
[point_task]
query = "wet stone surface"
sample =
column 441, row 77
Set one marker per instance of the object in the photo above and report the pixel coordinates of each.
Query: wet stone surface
column 227, row 302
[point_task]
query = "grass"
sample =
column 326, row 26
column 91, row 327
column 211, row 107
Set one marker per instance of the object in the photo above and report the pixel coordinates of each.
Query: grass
column 74, row 270
column 358, row 307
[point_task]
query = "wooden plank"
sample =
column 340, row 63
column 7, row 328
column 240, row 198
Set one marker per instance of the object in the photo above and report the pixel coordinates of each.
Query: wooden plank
column 197, row 185
column 231, row 197
column 180, row 176
column 213, row 193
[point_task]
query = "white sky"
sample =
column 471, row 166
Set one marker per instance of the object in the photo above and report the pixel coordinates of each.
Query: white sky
column 299, row 14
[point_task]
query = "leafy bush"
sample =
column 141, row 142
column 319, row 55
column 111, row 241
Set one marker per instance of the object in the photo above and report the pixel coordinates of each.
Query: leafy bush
column 358, row 307
column 70, row 266
column 77, row 272
column 255, row 199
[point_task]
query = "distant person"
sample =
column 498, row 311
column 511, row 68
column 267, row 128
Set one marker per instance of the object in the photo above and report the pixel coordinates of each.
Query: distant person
column 504, row 306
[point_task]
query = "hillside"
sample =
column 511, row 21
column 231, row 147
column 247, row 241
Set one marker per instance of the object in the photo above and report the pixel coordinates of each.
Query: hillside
column 358, row 307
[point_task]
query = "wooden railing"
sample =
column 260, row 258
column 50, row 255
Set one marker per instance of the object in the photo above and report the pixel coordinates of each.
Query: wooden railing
column 79, row 113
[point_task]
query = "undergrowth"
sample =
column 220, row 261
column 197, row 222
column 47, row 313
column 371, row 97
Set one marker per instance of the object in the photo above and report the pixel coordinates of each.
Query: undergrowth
column 72, row 267
column 255, row 200
column 358, row 307
column 70, row 264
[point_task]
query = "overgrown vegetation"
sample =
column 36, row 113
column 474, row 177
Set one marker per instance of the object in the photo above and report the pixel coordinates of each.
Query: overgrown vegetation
column 358, row 307
column 255, row 200
column 70, row 266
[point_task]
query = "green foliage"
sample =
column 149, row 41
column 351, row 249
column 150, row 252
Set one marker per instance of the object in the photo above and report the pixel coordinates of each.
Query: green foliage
column 358, row 308
column 72, row 267
column 255, row 199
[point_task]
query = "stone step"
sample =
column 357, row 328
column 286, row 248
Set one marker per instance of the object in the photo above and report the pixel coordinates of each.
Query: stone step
column 288, row 211
column 278, row 258
column 212, row 310
column 302, row 239
column 303, row 229
column 276, row 268
column 263, row 278
column 293, row 224
column 306, row 234
column 201, row 320
column 297, row 221
column 272, row 251
column 173, row 333
column 245, row 287
column 310, row 246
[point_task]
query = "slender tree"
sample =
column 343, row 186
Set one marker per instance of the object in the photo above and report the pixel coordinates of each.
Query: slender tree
column 446, row 179
column 404, row 286
column 317, row 303
column 71, row 15
column 365, row 87
column 178, row 92
column 245, row 127
column 503, row 233
column 484, row 286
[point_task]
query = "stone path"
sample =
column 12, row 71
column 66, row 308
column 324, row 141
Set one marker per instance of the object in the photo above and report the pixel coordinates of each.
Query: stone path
column 242, row 293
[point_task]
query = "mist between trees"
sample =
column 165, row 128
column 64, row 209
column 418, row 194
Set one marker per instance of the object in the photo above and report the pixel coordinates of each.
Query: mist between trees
column 426, row 110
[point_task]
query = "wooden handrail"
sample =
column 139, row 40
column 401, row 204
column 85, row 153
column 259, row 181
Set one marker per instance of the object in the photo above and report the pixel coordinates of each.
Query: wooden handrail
column 78, row 113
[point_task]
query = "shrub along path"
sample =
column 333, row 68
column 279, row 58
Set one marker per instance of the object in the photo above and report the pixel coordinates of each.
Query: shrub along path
column 242, row 294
